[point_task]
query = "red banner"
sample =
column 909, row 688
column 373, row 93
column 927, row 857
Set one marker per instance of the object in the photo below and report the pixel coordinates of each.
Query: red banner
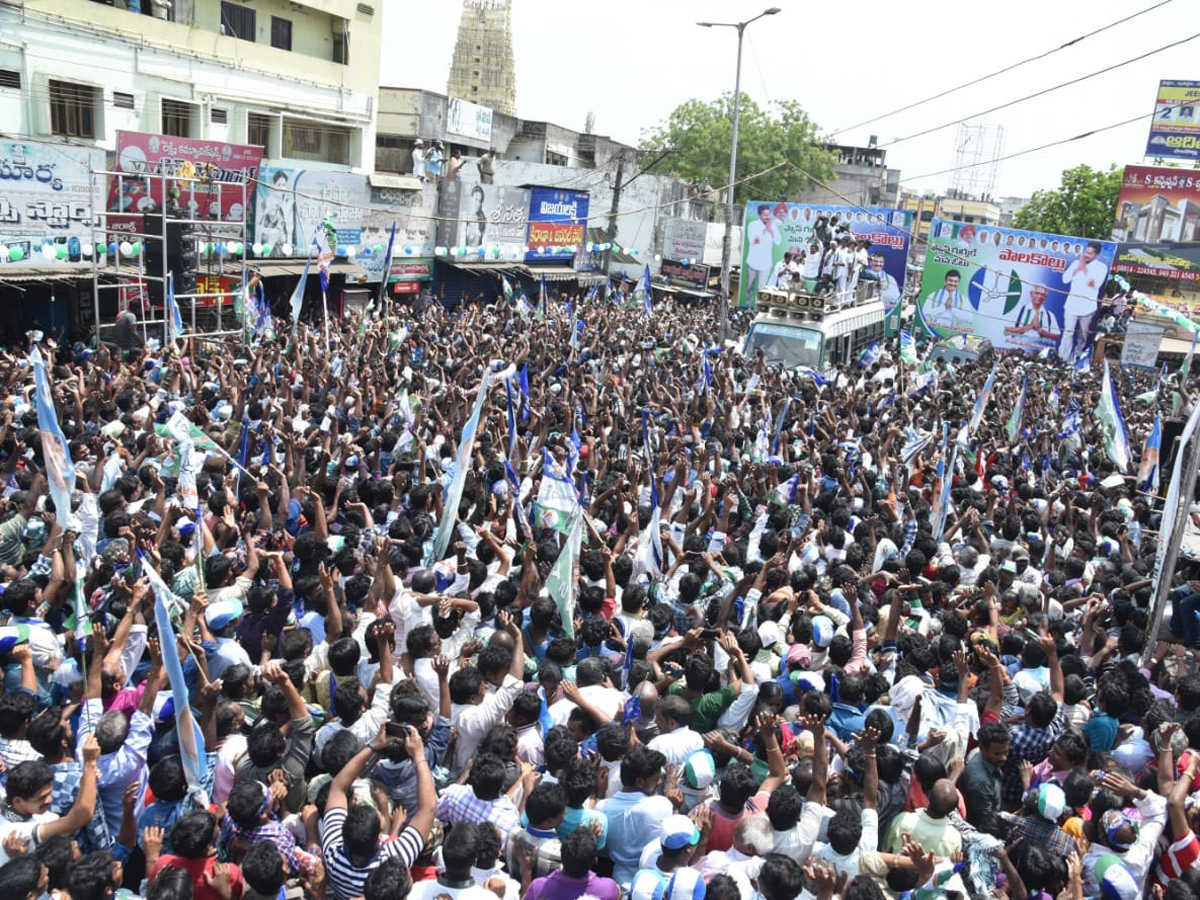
column 406, row 287
column 222, row 168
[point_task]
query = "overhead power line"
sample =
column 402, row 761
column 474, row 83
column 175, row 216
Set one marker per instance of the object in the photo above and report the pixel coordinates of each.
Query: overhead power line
column 990, row 75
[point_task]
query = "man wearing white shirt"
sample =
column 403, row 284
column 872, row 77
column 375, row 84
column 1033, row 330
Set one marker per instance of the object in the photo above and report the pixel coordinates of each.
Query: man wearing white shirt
column 1086, row 278
column 763, row 235
column 676, row 741
column 473, row 712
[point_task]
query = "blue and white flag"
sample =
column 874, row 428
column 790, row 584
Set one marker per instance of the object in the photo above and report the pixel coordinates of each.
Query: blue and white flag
column 645, row 287
column 786, row 492
column 650, row 552
column 914, row 443
column 807, row 372
column 945, row 477
column 174, row 319
column 787, row 404
column 705, row 374
column 1052, row 400
column 387, row 267
column 908, row 348
column 523, row 383
column 466, row 442
column 981, row 402
column 512, row 420
column 297, row 300
column 870, row 356
column 1151, row 452
column 524, row 532
column 592, row 292
column 190, row 737
column 1013, row 425
column 325, row 240
column 1112, row 423
column 1071, row 424
column 60, row 470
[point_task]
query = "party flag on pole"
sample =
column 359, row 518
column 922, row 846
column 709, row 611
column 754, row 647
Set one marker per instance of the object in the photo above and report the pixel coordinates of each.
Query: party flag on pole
column 174, row 319
column 326, row 240
column 297, row 300
column 466, row 442
column 981, row 402
column 1151, row 450
column 1112, row 423
column 190, row 737
column 387, row 268
column 1013, row 426
column 60, row 470
column 650, row 554
column 560, row 583
column 512, row 420
column 908, row 348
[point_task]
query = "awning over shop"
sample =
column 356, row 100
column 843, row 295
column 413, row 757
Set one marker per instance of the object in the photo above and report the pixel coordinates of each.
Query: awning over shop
column 28, row 274
column 273, row 267
column 515, row 268
column 553, row 273
column 590, row 277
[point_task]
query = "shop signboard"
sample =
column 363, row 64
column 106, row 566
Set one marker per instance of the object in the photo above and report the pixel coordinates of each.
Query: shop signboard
column 691, row 277
column 47, row 195
column 557, row 221
column 1157, row 203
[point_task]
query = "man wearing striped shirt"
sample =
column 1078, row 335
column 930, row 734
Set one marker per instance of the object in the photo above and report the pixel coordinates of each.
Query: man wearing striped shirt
column 350, row 842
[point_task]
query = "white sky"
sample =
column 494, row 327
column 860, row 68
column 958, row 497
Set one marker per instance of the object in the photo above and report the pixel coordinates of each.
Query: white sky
column 633, row 61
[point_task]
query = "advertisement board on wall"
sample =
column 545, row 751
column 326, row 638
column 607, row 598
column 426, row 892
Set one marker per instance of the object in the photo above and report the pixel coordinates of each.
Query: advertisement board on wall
column 1158, row 204
column 289, row 204
column 415, row 216
column 468, row 119
column 691, row 277
column 772, row 229
column 1180, row 262
column 493, row 216
column 1022, row 290
column 229, row 166
column 48, row 194
column 684, row 239
column 1175, row 129
column 557, row 219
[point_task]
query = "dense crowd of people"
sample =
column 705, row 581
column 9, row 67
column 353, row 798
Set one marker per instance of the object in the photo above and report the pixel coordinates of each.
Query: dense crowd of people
column 668, row 623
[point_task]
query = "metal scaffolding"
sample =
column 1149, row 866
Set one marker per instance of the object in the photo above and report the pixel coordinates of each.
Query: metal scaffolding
column 192, row 206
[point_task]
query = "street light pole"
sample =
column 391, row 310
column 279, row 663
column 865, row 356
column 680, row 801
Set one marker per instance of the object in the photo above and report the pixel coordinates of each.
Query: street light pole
column 727, row 242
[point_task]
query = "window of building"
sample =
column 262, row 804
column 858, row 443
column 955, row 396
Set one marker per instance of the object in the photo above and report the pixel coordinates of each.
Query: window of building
column 238, row 21
column 341, row 48
column 10, row 78
column 258, row 130
column 281, row 33
column 72, row 109
column 218, row 116
column 176, row 118
column 122, row 100
column 927, row 215
column 555, row 159
column 320, row 143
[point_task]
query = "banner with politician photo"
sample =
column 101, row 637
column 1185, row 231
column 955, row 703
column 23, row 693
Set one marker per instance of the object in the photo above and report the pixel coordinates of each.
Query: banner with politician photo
column 1022, row 290
column 774, row 230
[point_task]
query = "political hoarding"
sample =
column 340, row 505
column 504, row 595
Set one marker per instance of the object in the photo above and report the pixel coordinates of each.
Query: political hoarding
column 289, row 204
column 1175, row 129
column 1022, row 290
column 491, row 216
column 557, row 221
column 684, row 239
column 1179, row 262
column 221, row 170
column 1157, row 203
column 47, row 194
column 772, row 229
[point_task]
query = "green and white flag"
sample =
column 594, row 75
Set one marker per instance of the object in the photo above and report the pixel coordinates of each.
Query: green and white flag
column 1018, row 413
column 560, row 583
